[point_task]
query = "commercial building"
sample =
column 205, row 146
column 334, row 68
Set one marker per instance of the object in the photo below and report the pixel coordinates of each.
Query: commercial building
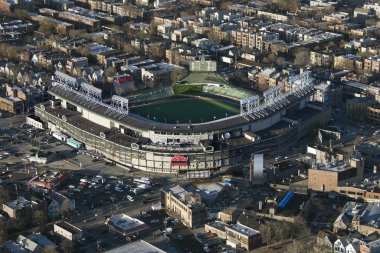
column 35, row 122
column 68, row 231
column 239, row 235
column 329, row 176
column 186, row 205
column 49, row 179
column 217, row 227
column 125, row 225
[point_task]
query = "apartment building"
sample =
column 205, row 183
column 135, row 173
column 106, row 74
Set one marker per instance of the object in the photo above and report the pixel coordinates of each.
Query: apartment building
column 22, row 209
column 186, row 205
column 372, row 64
column 349, row 62
column 245, row 39
column 322, row 59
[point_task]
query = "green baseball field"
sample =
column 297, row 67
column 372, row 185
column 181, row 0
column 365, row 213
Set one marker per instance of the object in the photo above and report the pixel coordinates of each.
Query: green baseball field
column 196, row 109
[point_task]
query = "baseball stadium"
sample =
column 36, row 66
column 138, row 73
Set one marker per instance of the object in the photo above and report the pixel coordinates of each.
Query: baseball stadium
column 201, row 123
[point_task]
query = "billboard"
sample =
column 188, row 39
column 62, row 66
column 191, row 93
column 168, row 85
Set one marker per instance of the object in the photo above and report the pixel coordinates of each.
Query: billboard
column 203, row 66
column 258, row 165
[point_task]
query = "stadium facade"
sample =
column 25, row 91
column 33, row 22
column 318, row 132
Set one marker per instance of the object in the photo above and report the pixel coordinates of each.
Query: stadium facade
column 271, row 125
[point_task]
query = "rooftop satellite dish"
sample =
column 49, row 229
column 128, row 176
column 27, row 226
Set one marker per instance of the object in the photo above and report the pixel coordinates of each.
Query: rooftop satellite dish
column 226, row 136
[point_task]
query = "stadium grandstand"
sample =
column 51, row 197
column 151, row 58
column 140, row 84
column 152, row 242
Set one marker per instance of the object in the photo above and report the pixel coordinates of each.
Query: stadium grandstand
column 271, row 123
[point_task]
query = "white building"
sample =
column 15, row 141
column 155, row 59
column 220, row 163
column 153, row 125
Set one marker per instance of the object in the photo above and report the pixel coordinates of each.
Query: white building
column 68, row 231
column 125, row 225
column 347, row 244
column 60, row 205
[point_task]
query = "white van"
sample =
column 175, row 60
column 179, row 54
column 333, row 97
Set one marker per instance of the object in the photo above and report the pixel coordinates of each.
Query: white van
column 130, row 198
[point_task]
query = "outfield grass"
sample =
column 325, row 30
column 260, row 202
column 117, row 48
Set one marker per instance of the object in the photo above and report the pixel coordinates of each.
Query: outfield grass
column 196, row 109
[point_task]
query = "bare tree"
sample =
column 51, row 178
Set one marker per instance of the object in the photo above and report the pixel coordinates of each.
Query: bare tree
column 281, row 60
column 110, row 71
column 4, row 195
column 50, row 250
column 40, row 218
column 3, row 234
column 46, row 27
column 302, row 56
column 66, row 246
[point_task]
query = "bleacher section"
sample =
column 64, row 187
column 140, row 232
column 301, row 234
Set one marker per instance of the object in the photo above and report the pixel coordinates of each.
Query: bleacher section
column 226, row 91
column 152, row 95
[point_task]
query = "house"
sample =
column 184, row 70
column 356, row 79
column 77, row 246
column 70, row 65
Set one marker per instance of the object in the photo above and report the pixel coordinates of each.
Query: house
column 325, row 241
column 347, row 244
column 362, row 217
column 59, row 205
column 42, row 241
column 28, row 244
column 370, row 247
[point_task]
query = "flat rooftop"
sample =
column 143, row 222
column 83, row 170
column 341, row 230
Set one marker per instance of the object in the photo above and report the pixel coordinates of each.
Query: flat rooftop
column 247, row 231
column 68, row 227
column 180, row 193
column 20, row 203
column 125, row 222
column 218, row 225
column 209, row 191
column 333, row 166
column 136, row 247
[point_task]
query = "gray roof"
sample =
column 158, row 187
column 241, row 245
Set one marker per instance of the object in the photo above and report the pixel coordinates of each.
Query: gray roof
column 42, row 240
column 28, row 244
column 58, row 197
column 13, row 247
column 136, row 247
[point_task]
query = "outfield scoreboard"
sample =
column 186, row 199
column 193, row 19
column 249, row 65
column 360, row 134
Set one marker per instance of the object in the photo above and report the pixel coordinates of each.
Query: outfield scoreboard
column 203, row 66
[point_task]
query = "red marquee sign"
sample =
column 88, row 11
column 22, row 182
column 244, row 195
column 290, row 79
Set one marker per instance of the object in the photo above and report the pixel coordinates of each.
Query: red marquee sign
column 124, row 79
column 179, row 160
